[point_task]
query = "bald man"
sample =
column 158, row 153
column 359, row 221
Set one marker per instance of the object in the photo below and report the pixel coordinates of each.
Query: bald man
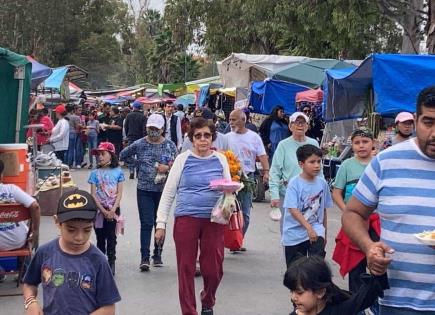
column 247, row 146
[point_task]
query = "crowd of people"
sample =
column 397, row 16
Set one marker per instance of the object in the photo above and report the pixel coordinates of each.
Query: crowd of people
column 384, row 198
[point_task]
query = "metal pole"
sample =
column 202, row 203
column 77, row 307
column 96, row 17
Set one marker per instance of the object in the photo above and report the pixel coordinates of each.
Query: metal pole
column 19, row 109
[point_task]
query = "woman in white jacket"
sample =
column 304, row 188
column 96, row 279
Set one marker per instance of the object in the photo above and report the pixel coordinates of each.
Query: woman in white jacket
column 60, row 134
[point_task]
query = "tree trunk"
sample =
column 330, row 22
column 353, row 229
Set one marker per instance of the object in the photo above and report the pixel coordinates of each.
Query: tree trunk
column 430, row 28
column 411, row 29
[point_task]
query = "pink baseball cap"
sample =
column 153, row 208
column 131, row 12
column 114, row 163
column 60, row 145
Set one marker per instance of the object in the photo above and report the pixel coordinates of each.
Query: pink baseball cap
column 104, row 146
column 404, row 116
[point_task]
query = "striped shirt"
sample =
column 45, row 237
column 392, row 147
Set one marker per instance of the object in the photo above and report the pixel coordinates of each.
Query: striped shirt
column 400, row 182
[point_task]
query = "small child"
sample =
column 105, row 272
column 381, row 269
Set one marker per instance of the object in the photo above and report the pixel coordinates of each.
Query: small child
column 313, row 293
column 106, row 187
column 75, row 276
column 92, row 130
column 306, row 198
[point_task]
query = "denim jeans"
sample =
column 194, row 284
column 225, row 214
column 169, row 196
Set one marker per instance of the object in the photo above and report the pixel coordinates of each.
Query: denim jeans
column 74, row 150
column 387, row 310
column 92, row 144
column 245, row 199
column 147, row 203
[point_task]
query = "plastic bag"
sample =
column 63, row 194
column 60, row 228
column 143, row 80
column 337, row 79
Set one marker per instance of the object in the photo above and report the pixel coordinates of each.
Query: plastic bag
column 223, row 209
column 275, row 214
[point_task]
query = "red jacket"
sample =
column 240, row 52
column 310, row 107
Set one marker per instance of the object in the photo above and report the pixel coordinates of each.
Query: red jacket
column 348, row 255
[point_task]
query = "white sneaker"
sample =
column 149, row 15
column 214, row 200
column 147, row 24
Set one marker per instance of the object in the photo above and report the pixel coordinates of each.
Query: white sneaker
column 78, row 166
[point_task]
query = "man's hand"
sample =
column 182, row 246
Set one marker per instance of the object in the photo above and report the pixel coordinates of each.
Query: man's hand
column 159, row 237
column 34, row 239
column 312, row 234
column 377, row 262
column 266, row 177
column 275, row 203
column 34, row 309
column 162, row 168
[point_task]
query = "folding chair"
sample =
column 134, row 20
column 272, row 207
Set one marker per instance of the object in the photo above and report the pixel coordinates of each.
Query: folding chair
column 16, row 213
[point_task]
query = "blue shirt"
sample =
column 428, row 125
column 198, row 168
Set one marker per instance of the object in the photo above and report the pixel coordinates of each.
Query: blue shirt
column 400, row 182
column 72, row 284
column 106, row 182
column 148, row 154
column 278, row 131
column 310, row 198
column 194, row 197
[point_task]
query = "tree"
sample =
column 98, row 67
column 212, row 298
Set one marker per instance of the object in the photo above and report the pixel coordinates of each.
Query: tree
column 430, row 28
column 410, row 15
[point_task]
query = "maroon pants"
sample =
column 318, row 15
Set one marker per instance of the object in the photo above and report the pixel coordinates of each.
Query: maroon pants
column 189, row 232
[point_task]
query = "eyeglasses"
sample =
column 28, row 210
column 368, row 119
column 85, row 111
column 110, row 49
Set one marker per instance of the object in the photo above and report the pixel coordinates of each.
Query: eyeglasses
column 299, row 122
column 205, row 135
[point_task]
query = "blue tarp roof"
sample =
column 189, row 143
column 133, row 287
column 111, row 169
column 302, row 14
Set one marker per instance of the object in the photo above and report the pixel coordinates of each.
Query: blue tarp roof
column 266, row 95
column 395, row 80
column 40, row 72
column 54, row 81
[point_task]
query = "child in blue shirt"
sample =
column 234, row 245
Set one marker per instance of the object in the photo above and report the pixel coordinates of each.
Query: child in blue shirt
column 75, row 276
column 306, row 200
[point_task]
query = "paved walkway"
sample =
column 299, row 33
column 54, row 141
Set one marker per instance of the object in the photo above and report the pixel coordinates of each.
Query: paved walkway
column 252, row 282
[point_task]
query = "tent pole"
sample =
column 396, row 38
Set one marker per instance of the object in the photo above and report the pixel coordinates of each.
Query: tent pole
column 19, row 109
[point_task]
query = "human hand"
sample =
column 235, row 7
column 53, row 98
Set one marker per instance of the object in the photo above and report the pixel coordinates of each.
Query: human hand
column 265, row 177
column 312, row 235
column 275, row 203
column 34, row 309
column 162, row 168
column 34, row 239
column 159, row 237
column 377, row 262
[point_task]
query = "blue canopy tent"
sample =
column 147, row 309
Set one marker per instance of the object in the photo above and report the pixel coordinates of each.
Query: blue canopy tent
column 391, row 81
column 40, row 72
column 54, row 81
column 267, row 94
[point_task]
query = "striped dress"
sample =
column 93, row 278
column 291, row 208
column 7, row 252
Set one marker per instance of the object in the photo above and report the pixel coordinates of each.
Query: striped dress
column 400, row 182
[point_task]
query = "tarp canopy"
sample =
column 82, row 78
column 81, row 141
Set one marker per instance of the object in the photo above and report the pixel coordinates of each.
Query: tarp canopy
column 394, row 79
column 238, row 70
column 195, row 86
column 266, row 95
column 40, row 72
column 9, row 91
column 185, row 100
column 176, row 88
column 55, row 80
column 310, row 96
column 310, row 73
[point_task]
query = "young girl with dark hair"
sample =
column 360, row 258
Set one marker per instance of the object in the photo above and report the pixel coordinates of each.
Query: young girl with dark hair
column 106, row 188
column 313, row 293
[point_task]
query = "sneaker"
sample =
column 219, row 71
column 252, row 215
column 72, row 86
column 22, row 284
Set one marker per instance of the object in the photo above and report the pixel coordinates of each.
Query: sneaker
column 241, row 249
column 157, row 261
column 83, row 164
column 90, row 167
column 207, row 311
column 78, row 167
column 112, row 267
column 145, row 265
column 131, row 175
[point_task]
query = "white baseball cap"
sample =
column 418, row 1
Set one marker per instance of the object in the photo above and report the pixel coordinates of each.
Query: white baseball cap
column 404, row 116
column 295, row 116
column 156, row 120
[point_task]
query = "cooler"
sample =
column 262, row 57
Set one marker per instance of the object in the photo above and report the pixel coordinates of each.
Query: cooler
column 17, row 168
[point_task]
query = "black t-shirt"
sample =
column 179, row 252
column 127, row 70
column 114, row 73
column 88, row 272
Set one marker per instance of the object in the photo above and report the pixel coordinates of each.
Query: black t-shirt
column 372, row 288
column 115, row 136
column 103, row 119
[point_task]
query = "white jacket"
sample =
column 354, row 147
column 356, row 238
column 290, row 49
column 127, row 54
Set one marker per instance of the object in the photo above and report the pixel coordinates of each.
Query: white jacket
column 60, row 135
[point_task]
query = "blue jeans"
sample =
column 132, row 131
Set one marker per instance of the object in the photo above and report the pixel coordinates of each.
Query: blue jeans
column 387, row 310
column 73, row 153
column 245, row 199
column 147, row 203
column 92, row 144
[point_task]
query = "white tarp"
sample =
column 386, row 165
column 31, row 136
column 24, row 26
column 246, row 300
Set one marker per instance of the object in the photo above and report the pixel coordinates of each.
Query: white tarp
column 238, row 70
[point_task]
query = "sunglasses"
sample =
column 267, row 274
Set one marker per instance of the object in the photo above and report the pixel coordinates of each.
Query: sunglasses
column 299, row 123
column 205, row 135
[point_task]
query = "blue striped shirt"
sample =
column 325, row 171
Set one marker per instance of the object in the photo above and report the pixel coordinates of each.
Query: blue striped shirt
column 400, row 182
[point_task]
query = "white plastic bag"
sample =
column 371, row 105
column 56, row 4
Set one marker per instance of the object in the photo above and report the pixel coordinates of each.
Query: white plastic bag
column 275, row 214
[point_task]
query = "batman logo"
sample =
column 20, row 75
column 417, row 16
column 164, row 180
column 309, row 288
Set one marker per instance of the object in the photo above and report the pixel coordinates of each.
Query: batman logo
column 75, row 201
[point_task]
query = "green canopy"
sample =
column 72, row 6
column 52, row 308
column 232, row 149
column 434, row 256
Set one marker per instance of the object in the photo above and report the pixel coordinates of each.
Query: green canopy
column 178, row 88
column 9, row 91
column 310, row 73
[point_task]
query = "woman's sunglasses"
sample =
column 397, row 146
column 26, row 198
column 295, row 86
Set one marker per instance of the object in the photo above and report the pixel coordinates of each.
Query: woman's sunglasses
column 205, row 135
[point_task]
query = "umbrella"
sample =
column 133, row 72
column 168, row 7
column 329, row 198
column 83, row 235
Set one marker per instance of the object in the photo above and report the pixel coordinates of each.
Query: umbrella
column 185, row 100
column 40, row 72
column 310, row 73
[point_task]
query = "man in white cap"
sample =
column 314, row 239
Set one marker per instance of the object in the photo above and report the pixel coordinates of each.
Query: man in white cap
column 404, row 127
column 285, row 163
column 247, row 146
column 155, row 156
